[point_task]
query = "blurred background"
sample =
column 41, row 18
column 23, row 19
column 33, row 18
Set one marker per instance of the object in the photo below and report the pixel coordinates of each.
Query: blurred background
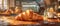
column 36, row 5
column 41, row 12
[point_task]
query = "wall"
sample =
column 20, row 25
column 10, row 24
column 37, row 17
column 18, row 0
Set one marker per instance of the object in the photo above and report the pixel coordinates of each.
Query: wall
column 47, row 2
column 12, row 3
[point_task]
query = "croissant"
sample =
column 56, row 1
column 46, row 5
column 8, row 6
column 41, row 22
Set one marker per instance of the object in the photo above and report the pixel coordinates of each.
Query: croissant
column 28, row 16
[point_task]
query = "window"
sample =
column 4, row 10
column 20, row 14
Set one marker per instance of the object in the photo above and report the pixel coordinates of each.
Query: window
column 0, row 4
column 3, row 4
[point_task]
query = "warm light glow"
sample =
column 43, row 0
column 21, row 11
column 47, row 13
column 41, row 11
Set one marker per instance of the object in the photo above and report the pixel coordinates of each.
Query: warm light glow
column 20, row 15
column 45, row 18
column 59, row 7
column 23, row 13
column 58, row 14
column 16, row 9
column 51, row 10
column 27, row 11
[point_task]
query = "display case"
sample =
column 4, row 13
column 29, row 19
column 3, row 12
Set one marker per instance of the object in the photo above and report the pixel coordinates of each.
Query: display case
column 30, row 5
